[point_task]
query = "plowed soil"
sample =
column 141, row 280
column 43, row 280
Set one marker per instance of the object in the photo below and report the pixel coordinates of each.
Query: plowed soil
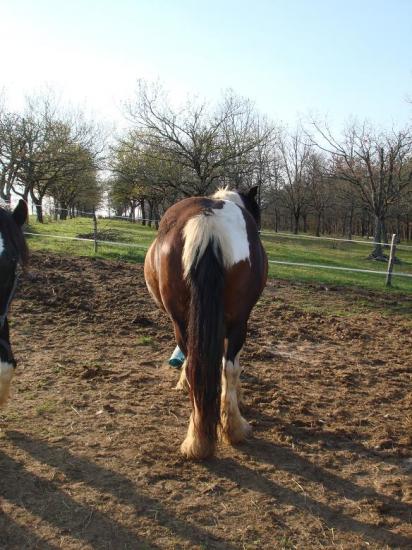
column 89, row 446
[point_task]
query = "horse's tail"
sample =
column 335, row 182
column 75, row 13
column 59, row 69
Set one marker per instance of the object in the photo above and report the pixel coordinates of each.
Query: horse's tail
column 204, row 270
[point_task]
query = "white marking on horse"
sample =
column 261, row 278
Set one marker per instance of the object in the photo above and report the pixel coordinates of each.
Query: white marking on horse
column 6, row 374
column 226, row 195
column 225, row 228
column 1, row 244
column 234, row 427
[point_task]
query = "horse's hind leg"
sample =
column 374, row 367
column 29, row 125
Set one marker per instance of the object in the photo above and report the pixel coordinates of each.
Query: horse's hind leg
column 6, row 375
column 183, row 384
column 180, row 336
column 234, row 427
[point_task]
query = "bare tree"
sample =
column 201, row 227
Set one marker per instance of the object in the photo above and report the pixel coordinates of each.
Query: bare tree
column 206, row 145
column 295, row 154
column 376, row 164
column 77, row 184
column 11, row 151
column 319, row 188
column 142, row 179
column 41, row 147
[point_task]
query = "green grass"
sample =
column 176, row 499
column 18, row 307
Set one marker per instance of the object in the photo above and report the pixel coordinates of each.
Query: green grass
column 110, row 230
column 279, row 247
column 333, row 253
column 47, row 407
column 145, row 341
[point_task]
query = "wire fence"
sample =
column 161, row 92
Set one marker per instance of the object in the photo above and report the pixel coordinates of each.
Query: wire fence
column 84, row 239
column 339, row 268
column 154, row 221
column 337, row 239
column 273, row 235
column 143, row 247
column 265, row 233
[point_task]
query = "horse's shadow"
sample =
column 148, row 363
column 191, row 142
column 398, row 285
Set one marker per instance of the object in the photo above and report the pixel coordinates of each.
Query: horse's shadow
column 333, row 441
column 85, row 523
column 16, row 537
column 281, row 458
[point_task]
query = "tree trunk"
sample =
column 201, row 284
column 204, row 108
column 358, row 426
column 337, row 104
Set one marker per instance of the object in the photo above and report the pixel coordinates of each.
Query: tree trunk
column 39, row 212
column 364, row 224
column 350, row 223
column 149, row 222
column 143, row 207
column 305, row 223
column 377, row 252
column 344, row 225
column 384, row 232
column 398, row 229
column 296, row 224
column 38, row 203
column 63, row 211
column 156, row 215
column 318, row 219
column 323, row 223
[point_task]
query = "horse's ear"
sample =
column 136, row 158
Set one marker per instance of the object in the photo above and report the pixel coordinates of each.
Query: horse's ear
column 253, row 192
column 21, row 213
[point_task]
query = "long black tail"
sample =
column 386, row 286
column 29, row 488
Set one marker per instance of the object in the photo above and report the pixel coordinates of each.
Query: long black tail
column 206, row 341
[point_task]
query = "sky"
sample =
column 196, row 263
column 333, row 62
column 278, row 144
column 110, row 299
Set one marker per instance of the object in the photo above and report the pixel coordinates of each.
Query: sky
column 293, row 58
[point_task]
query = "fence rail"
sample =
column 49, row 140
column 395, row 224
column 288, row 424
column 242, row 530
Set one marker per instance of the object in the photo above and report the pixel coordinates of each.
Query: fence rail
column 99, row 241
column 340, row 268
column 263, row 233
column 280, row 262
column 312, row 237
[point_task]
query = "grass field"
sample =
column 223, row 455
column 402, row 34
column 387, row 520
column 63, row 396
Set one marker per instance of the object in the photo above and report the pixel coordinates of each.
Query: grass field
column 279, row 247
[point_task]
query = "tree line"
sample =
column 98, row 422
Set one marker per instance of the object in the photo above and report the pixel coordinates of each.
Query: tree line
column 357, row 182
column 48, row 153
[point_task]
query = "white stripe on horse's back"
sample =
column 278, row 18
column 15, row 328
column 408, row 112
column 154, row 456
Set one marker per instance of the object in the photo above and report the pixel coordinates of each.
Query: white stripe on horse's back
column 1, row 244
column 225, row 227
column 226, row 195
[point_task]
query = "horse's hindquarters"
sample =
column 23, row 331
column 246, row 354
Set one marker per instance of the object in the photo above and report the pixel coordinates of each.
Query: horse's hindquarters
column 207, row 269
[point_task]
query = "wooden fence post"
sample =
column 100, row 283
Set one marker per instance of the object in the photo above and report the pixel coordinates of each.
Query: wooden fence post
column 95, row 229
column 391, row 261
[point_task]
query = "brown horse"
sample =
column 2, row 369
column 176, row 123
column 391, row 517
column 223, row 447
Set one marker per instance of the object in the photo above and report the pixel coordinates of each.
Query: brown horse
column 207, row 269
column 13, row 251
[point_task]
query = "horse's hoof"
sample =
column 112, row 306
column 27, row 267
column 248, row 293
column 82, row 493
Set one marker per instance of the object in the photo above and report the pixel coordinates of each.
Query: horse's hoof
column 182, row 386
column 195, row 450
column 238, row 434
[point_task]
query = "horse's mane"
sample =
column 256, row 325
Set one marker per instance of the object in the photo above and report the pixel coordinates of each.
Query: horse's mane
column 13, row 236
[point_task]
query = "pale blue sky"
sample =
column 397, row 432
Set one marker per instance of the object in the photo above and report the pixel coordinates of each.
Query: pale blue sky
column 335, row 58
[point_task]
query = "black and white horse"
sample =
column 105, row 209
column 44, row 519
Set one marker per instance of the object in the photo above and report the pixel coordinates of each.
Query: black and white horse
column 13, row 251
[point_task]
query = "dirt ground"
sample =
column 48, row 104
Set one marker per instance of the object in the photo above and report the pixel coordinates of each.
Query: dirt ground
column 89, row 442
